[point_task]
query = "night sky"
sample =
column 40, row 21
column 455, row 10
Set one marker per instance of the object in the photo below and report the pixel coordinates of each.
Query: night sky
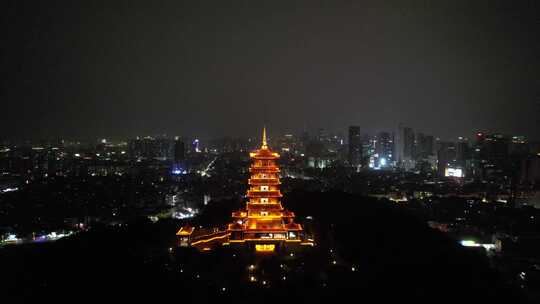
column 123, row 68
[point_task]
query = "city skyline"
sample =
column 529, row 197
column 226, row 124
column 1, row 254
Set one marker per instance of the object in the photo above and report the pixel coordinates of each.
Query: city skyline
column 270, row 151
column 312, row 133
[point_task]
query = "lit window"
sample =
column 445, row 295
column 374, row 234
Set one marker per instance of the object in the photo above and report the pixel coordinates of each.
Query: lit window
column 264, row 188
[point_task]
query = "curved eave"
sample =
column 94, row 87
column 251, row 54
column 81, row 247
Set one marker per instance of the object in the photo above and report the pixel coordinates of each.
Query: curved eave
column 264, row 169
column 258, row 194
column 263, row 206
column 263, row 182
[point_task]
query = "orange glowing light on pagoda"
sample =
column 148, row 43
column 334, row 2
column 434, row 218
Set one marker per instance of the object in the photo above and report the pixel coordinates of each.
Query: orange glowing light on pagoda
column 264, row 218
column 263, row 224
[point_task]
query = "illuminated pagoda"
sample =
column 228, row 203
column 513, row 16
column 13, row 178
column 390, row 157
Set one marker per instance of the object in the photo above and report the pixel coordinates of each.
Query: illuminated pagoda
column 263, row 225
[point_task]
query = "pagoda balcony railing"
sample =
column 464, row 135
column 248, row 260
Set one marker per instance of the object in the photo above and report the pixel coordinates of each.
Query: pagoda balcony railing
column 269, row 204
column 264, row 169
column 265, row 217
column 264, row 181
column 256, row 193
column 271, row 216
column 262, row 206
column 265, row 157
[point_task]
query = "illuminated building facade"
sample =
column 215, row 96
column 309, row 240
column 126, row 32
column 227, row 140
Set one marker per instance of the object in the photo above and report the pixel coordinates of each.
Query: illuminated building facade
column 263, row 225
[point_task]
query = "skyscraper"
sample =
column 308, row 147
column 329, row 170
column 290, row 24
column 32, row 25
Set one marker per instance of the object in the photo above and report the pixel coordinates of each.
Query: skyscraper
column 179, row 151
column 446, row 156
column 497, row 146
column 355, row 146
column 404, row 146
column 408, row 143
column 385, row 146
column 424, row 146
column 462, row 150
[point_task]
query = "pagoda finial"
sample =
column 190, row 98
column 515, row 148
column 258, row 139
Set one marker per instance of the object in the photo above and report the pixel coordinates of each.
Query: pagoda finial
column 264, row 143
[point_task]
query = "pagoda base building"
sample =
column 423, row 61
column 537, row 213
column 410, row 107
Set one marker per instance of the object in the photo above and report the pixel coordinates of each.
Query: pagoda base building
column 263, row 225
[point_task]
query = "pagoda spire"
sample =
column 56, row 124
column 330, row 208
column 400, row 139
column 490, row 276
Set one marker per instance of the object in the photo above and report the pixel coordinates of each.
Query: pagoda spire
column 263, row 224
column 264, row 143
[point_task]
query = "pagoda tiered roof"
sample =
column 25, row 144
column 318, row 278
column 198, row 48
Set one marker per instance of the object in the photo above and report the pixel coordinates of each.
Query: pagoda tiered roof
column 264, row 212
column 264, row 193
column 264, row 153
column 263, row 219
column 259, row 206
column 264, row 181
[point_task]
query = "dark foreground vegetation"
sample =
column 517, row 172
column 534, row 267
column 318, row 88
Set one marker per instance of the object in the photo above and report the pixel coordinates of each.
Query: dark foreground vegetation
column 367, row 251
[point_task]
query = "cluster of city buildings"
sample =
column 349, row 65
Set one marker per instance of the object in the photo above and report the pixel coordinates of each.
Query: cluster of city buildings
column 512, row 161
column 480, row 189
column 484, row 157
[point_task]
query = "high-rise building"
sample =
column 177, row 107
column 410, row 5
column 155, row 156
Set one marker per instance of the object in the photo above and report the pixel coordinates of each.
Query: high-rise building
column 519, row 146
column 196, row 146
column 385, row 146
column 446, row 156
column 355, row 146
column 424, row 146
column 405, row 144
column 159, row 148
column 408, row 143
column 316, row 154
column 462, row 150
column 321, row 135
column 179, row 151
column 496, row 146
column 530, row 169
column 304, row 141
